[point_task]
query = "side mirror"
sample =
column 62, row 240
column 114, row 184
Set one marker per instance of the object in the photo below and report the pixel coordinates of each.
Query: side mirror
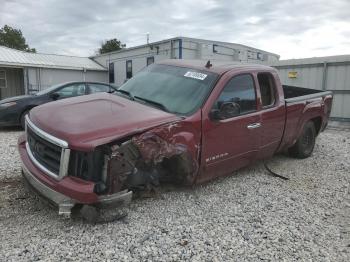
column 227, row 110
column 55, row 96
column 215, row 114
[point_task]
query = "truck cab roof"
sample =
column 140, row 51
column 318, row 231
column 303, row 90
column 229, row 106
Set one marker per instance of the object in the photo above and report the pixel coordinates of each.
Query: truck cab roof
column 218, row 67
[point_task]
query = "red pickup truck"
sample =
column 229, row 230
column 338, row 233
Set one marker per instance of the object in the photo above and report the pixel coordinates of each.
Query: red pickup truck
column 176, row 121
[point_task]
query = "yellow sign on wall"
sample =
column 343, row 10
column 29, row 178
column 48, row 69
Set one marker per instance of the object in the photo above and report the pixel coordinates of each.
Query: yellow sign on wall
column 292, row 74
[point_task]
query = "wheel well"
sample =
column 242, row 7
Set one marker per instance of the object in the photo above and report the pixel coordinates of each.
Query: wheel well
column 317, row 122
column 25, row 110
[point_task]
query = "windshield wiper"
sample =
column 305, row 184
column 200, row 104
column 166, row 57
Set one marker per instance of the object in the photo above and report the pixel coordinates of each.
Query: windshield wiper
column 125, row 93
column 157, row 104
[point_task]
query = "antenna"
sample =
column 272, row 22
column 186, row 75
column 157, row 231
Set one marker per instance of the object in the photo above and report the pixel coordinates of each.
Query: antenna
column 208, row 65
column 147, row 34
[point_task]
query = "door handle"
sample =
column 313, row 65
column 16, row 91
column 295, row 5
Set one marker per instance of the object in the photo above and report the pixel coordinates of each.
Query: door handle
column 255, row 125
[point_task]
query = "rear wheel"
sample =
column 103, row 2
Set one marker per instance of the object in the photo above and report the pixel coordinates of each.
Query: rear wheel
column 305, row 144
column 23, row 118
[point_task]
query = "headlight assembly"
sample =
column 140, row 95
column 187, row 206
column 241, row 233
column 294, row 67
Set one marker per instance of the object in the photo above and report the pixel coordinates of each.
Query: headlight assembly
column 5, row 105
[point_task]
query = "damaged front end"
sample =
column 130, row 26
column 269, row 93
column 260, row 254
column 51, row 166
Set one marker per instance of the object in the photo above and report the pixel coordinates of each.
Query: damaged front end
column 167, row 154
column 141, row 162
column 108, row 175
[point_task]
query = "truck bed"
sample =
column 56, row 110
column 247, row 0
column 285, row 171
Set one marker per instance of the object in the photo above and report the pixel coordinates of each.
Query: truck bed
column 296, row 94
column 303, row 104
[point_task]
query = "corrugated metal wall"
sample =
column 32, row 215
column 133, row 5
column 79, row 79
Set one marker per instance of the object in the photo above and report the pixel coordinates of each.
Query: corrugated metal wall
column 49, row 76
column 333, row 75
column 42, row 78
column 29, row 80
column 14, row 86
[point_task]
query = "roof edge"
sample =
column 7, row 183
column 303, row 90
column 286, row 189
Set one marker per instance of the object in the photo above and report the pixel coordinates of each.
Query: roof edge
column 51, row 66
column 177, row 38
column 313, row 60
column 21, row 51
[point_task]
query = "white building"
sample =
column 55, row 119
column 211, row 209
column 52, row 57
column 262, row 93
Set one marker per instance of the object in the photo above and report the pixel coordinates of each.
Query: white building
column 124, row 63
column 23, row 72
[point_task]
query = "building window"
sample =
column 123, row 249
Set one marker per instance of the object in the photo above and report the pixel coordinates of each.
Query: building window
column 3, row 79
column 215, row 50
column 150, row 60
column 111, row 72
column 128, row 69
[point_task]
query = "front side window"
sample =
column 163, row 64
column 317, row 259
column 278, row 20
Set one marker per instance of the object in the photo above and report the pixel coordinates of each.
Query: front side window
column 3, row 83
column 176, row 89
column 239, row 93
column 96, row 88
column 71, row 90
column 128, row 69
column 267, row 89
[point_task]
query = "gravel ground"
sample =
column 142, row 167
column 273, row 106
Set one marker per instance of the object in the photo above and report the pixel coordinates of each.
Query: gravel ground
column 248, row 216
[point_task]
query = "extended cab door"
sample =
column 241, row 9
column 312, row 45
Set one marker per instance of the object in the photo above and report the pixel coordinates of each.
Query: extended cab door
column 272, row 107
column 231, row 142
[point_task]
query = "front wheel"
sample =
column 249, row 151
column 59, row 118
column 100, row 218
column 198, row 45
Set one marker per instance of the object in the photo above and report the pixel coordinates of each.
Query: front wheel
column 305, row 144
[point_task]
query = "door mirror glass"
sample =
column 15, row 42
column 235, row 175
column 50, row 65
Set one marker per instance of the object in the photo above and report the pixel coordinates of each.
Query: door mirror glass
column 54, row 96
column 227, row 110
column 230, row 109
column 215, row 114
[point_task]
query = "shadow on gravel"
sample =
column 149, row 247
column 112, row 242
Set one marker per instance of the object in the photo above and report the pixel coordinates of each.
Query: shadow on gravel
column 10, row 129
column 245, row 172
column 10, row 183
column 25, row 201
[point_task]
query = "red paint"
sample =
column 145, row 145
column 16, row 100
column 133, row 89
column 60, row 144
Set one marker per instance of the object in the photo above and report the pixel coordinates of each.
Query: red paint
column 93, row 120
column 75, row 188
column 216, row 147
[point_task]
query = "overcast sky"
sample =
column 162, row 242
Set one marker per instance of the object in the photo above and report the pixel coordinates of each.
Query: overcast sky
column 292, row 28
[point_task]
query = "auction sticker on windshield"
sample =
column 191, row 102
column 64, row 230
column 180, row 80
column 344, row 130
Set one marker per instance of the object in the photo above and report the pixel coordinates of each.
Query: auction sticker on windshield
column 195, row 75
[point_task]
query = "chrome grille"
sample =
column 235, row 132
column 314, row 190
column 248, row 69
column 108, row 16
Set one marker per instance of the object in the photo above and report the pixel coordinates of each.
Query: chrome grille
column 47, row 152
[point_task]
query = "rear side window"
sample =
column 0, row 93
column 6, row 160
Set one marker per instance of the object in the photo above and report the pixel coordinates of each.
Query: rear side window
column 267, row 89
column 240, row 90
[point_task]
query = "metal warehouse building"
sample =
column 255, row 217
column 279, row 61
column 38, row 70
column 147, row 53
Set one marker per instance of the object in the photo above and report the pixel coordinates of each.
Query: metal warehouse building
column 326, row 73
column 24, row 73
column 124, row 63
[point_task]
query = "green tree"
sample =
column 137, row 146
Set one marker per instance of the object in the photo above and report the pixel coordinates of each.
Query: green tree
column 110, row 45
column 13, row 38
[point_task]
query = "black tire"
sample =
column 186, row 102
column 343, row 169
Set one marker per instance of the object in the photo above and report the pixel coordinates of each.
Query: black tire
column 305, row 144
column 23, row 119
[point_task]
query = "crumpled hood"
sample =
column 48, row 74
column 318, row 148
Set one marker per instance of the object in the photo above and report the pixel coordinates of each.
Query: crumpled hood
column 89, row 121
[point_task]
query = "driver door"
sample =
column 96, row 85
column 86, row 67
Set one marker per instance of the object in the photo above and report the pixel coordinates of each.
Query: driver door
column 232, row 142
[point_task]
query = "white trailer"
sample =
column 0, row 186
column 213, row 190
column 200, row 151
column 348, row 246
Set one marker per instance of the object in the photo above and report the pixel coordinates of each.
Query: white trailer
column 124, row 63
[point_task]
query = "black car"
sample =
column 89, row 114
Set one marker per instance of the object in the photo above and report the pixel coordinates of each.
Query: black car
column 14, row 109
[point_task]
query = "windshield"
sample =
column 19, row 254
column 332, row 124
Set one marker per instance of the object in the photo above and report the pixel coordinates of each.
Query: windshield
column 177, row 89
column 48, row 90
